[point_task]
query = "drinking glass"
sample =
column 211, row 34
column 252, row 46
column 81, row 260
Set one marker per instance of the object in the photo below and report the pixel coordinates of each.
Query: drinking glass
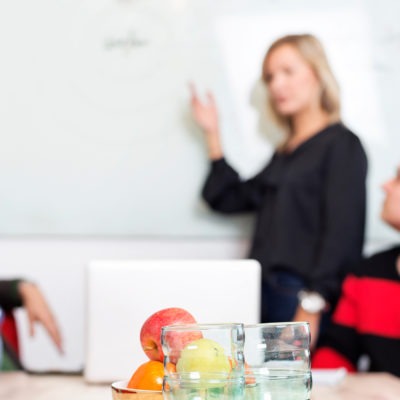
column 203, row 361
column 277, row 361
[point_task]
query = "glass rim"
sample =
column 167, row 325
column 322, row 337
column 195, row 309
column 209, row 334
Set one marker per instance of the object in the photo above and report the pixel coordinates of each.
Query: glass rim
column 202, row 326
column 277, row 324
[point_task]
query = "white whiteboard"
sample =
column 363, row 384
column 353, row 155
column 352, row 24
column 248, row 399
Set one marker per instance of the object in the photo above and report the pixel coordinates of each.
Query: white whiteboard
column 96, row 134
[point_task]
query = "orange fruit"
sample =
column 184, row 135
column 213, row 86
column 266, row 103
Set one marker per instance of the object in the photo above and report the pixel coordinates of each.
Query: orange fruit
column 149, row 376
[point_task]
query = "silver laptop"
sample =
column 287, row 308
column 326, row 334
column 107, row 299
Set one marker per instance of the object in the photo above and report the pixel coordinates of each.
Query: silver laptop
column 121, row 295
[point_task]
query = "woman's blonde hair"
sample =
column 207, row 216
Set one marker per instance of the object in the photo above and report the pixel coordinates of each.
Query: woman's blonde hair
column 312, row 51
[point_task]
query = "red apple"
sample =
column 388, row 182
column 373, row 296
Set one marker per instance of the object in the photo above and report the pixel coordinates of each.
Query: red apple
column 150, row 334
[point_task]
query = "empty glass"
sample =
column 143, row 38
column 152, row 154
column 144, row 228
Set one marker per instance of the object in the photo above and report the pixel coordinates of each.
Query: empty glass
column 277, row 361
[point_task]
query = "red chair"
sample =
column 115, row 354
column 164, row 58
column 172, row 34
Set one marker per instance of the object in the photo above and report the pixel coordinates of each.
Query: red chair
column 9, row 335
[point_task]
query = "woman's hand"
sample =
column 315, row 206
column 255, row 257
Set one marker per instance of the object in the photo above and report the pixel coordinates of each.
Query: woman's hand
column 204, row 113
column 206, row 116
column 38, row 310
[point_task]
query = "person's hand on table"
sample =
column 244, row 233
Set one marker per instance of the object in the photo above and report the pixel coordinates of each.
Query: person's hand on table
column 38, row 310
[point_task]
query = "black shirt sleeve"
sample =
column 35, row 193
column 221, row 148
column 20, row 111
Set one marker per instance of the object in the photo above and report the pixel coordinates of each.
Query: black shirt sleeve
column 9, row 295
column 225, row 192
column 343, row 211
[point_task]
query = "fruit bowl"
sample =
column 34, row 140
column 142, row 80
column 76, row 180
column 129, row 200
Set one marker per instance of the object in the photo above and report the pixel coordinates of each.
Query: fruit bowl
column 120, row 391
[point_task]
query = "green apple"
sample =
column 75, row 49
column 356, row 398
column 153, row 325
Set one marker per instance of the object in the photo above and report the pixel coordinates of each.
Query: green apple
column 204, row 356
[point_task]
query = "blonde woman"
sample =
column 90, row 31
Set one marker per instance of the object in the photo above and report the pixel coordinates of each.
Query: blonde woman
column 310, row 197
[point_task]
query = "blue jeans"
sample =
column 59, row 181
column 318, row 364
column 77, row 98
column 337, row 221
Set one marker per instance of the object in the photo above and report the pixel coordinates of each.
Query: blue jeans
column 279, row 296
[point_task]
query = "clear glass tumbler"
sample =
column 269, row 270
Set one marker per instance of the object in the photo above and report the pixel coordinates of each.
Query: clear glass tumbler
column 203, row 361
column 277, row 361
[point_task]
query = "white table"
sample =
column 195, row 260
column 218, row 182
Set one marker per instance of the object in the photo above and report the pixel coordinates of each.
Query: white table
column 19, row 386
column 373, row 386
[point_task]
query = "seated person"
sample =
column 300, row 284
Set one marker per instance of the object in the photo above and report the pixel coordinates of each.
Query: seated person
column 15, row 293
column 367, row 318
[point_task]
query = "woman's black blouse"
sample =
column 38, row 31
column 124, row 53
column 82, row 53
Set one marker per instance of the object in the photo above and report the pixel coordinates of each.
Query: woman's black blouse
column 310, row 207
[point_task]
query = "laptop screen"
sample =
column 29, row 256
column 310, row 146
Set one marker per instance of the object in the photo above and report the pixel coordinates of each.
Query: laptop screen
column 121, row 295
